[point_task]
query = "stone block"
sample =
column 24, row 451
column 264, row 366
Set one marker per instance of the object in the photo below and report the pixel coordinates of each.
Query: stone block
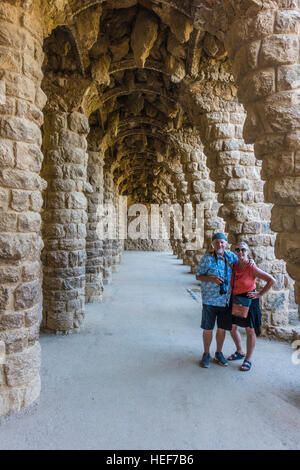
column 19, row 200
column 73, row 155
column 29, row 222
column 57, row 259
column 33, row 315
column 257, row 85
column 10, row 60
column 7, row 158
column 31, row 68
column 287, row 247
column 281, row 111
column 283, row 191
column 9, row 274
column 287, row 21
column 20, row 179
column 69, row 138
column 27, row 295
column 19, row 86
column 40, row 98
column 23, row 367
column 31, row 271
column 238, row 184
column 229, row 158
column 11, row 321
column 8, row 222
column 4, row 298
column 15, row 247
column 288, row 77
column 77, row 200
column 36, row 201
column 279, row 49
column 33, row 334
column 249, row 28
column 28, row 157
column 62, row 323
column 78, row 123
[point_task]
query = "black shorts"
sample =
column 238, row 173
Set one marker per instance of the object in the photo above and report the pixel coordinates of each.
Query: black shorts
column 211, row 312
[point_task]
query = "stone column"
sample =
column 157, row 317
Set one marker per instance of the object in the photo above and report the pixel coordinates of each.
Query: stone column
column 264, row 45
column 202, row 193
column 236, row 173
column 94, row 243
column 115, row 241
column 107, row 242
column 21, row 102
column 64, row 217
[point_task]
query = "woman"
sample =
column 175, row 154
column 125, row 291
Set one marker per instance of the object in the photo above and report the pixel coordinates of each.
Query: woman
column 244, row 285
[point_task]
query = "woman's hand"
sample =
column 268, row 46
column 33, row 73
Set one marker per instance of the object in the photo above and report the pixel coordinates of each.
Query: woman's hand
column 254, row 295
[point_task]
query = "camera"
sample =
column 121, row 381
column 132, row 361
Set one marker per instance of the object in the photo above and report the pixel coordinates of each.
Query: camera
column 223, row 288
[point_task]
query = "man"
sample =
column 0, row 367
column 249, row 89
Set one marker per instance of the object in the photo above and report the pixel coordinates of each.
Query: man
column 214, row 271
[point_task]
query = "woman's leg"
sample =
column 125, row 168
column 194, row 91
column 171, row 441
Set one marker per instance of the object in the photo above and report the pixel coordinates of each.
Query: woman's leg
column 251, row 341
column 235, row 335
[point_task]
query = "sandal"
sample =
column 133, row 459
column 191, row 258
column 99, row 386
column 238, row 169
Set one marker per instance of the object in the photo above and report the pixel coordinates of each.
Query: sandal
column 236, row 356
column 246, row 366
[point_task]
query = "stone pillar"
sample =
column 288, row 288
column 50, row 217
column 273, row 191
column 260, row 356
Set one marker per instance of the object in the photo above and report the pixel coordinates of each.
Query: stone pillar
column 107, row 242
column 64, row 217
column 94, row 243
column 115, row 241
column 202, row 193
column 236, row 173
column 264, row 45
column 21, row 102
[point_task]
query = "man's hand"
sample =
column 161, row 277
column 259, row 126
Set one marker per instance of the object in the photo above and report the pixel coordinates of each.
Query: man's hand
column 217, row 279
column 205, row 278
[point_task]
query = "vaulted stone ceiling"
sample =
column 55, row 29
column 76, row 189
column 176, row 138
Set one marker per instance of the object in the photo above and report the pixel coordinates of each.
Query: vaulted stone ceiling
column 129, row 66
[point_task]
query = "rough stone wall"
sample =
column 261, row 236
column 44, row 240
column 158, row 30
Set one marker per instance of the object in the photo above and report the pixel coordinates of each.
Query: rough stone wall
column 21, row 103
column 64, row 219
column 94, row 244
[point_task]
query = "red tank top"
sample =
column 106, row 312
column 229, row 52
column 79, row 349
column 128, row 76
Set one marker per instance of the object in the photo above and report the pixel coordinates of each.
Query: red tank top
column 242, row 280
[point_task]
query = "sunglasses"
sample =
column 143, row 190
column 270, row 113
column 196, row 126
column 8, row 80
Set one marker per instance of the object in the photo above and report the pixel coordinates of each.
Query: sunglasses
column 243, row 250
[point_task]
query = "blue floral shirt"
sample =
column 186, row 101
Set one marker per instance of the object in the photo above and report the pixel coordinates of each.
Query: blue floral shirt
column 210, row 267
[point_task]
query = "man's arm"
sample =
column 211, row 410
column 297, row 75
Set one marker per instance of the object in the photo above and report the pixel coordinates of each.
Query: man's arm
column 205, row 278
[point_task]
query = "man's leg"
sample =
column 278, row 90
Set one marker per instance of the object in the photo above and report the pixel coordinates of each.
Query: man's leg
column 207, row 339
column 220, row 337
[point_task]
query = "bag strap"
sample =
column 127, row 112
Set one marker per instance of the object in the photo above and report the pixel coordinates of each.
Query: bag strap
column 225, row 261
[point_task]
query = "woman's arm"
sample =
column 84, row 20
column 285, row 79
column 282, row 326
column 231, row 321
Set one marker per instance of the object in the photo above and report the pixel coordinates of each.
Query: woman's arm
column 270, row 281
